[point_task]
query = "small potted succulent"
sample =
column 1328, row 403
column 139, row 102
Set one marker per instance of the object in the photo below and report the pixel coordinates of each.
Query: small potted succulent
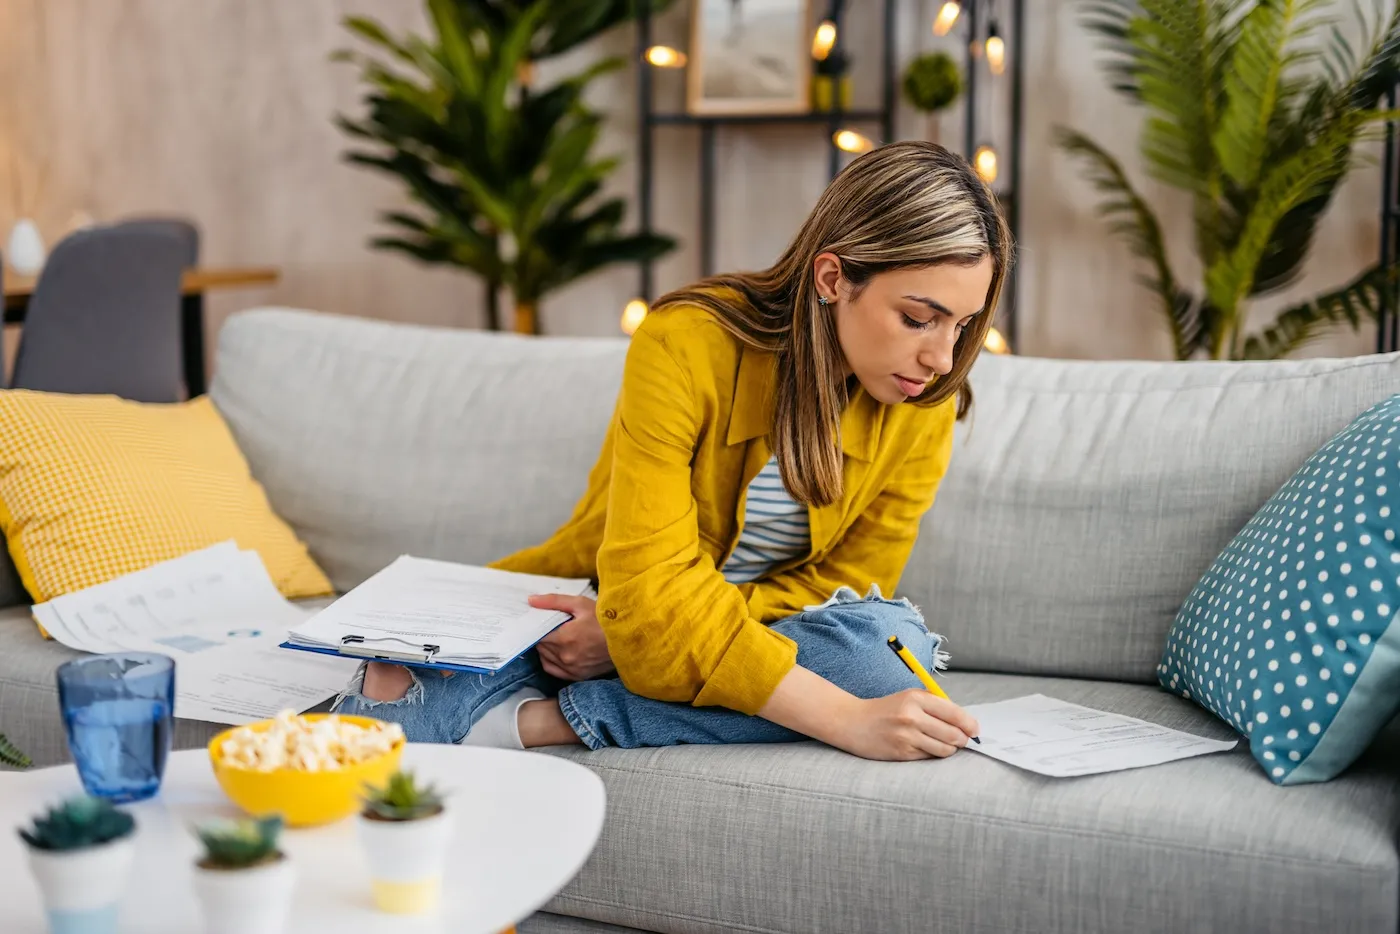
column 80, row 853
column 404, row 829
column 244, row 882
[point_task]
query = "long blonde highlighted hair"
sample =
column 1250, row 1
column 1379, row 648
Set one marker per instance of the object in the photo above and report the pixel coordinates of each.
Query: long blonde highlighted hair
column 906, row 204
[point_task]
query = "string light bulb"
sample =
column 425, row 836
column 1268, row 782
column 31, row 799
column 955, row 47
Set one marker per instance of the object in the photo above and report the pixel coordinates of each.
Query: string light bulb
column 663, row 56
column 632, row 315
column 984, row 160
column 996, row 49
column 824, row 40
column 851, row 141
column 995, row 342
column 947, row 16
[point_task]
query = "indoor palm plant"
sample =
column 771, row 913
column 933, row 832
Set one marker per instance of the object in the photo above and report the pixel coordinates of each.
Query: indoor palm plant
column 501, row 172
column 1254, row 109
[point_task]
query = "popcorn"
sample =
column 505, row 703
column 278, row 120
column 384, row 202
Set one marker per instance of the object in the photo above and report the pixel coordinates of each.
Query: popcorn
column 295, row 742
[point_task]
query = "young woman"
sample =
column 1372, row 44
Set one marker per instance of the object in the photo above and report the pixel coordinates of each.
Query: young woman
column 777, row 437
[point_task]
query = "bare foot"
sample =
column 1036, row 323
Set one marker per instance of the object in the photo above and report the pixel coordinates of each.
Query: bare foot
column 542, row 723
column 386, row 682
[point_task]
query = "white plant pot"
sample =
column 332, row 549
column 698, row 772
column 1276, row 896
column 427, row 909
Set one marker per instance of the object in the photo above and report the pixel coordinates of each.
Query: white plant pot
column 406, row 860
column 246, row 901
column 25, row 249
column 82, row 889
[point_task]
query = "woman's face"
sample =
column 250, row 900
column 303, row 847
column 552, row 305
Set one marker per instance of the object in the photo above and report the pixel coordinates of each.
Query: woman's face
column 898, row 333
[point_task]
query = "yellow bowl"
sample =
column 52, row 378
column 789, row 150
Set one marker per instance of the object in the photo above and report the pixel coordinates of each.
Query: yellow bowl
column 303, row 798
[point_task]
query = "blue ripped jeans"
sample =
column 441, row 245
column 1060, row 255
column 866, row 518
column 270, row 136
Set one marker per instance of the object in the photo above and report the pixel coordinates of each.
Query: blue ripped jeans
column 843, row 640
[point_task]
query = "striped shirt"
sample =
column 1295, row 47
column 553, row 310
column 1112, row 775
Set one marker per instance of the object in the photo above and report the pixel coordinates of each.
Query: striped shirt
column 775, row 528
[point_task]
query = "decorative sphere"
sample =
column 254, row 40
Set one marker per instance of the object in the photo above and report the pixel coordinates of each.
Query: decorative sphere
column 932, row 81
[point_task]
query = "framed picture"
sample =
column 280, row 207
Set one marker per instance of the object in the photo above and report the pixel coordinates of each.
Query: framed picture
column 749, row 57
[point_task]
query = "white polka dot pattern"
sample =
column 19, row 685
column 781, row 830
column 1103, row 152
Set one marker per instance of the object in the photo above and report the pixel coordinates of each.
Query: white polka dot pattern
column 1278, row 631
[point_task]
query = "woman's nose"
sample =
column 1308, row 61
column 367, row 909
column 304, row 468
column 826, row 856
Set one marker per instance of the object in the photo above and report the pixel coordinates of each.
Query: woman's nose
column 938, row 354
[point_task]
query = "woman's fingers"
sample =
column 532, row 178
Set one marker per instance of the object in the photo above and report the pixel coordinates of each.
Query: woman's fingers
column 935, row 747
column 950, row 715
column 564, row 603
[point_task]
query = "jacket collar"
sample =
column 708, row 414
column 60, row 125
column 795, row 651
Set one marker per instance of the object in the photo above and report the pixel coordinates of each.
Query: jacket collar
column 752, row 414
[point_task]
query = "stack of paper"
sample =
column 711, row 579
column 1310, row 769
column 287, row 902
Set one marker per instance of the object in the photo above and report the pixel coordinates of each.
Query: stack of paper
column 438, row 614
column 218, row 614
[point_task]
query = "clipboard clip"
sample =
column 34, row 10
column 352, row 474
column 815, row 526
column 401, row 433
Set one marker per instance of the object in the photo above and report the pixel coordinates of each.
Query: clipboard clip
column 359, row 646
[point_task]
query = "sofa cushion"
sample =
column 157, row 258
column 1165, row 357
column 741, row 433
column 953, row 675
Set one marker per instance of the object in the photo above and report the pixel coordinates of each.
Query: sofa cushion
column 803, row 838
column 1085, row 499
column 1292, row 635
column 375, row 440
column 95, row 486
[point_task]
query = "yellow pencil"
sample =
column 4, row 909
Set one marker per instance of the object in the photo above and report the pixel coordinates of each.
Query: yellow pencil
column 913, row 664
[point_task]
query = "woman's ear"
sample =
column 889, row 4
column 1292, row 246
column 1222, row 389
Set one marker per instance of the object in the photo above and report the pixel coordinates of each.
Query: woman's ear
column 826, row 276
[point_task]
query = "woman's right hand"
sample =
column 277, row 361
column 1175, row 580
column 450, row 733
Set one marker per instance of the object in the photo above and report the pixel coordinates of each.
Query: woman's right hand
column 912, row 724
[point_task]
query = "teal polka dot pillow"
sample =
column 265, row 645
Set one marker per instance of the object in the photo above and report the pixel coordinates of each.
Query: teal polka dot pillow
column 1291, row 636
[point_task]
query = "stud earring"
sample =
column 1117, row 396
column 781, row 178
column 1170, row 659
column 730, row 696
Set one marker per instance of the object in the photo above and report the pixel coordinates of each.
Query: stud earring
column 823, row 300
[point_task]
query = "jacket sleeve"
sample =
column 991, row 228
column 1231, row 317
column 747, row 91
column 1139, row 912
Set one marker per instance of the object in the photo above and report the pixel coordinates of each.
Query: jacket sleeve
column 676, row 629
column 876, row 547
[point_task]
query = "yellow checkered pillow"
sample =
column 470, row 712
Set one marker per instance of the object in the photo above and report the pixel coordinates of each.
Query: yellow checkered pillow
column 94, row 487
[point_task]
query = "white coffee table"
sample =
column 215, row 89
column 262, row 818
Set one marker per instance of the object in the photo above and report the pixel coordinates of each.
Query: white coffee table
column 525, row 823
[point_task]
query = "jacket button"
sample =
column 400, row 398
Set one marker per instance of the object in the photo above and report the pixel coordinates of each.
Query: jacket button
column 610, row 614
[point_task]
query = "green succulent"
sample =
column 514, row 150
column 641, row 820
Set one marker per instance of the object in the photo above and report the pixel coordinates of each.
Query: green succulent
column 402, row 798
column 1254, row 112
column 239, row 843
column 932, row 81
column 11, row 756
column 78, row 822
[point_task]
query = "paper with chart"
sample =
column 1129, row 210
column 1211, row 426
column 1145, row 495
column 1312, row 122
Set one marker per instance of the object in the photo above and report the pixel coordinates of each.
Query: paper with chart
column 474, row 616
column 1060, row 739
column 218, row 614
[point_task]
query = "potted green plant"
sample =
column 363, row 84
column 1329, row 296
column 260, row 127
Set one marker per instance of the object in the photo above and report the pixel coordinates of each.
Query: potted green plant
column 1254, row 111
column 80, row 853
column 11, row 756
column 501, row 172
column 243, row 880
column 404, row 829
column 932, row 82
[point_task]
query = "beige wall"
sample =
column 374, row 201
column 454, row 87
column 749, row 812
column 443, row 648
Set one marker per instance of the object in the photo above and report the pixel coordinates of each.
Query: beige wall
column 221, row 109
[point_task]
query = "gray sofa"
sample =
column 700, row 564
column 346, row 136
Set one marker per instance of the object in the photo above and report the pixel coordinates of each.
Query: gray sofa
column 1083, row 501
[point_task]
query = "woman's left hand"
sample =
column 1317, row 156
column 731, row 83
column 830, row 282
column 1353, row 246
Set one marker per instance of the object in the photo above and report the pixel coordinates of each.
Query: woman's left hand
column 577, row 650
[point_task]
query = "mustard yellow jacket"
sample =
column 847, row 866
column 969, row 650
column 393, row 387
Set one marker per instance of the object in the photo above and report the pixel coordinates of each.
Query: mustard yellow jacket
column 665, row 504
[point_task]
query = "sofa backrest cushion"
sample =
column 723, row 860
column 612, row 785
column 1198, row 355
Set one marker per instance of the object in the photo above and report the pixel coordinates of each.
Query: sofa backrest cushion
column 1085, row 499
column 374, row 439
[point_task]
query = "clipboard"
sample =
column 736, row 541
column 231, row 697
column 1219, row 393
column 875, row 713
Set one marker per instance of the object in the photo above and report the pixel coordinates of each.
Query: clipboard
column 411, row 654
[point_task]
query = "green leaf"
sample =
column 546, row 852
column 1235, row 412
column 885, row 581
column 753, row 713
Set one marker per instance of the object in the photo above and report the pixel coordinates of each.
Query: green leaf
column 1295, row 180
column 1359, row 301
column 11, row 756
column 1254, row 83
column 1132, row 219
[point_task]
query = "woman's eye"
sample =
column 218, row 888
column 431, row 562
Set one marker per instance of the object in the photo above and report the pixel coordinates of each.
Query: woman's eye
column 915, row 324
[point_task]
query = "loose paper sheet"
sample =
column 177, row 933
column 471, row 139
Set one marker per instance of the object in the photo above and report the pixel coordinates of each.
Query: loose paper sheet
column 1060, row 739
column 218, row 614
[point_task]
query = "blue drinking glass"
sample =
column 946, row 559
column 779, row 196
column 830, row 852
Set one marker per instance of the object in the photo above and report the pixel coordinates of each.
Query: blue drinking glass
column 117, row 710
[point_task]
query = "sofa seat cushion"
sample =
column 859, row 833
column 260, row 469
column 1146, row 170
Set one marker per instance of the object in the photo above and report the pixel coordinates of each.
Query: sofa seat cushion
column 805, row 838
column 29, row 713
